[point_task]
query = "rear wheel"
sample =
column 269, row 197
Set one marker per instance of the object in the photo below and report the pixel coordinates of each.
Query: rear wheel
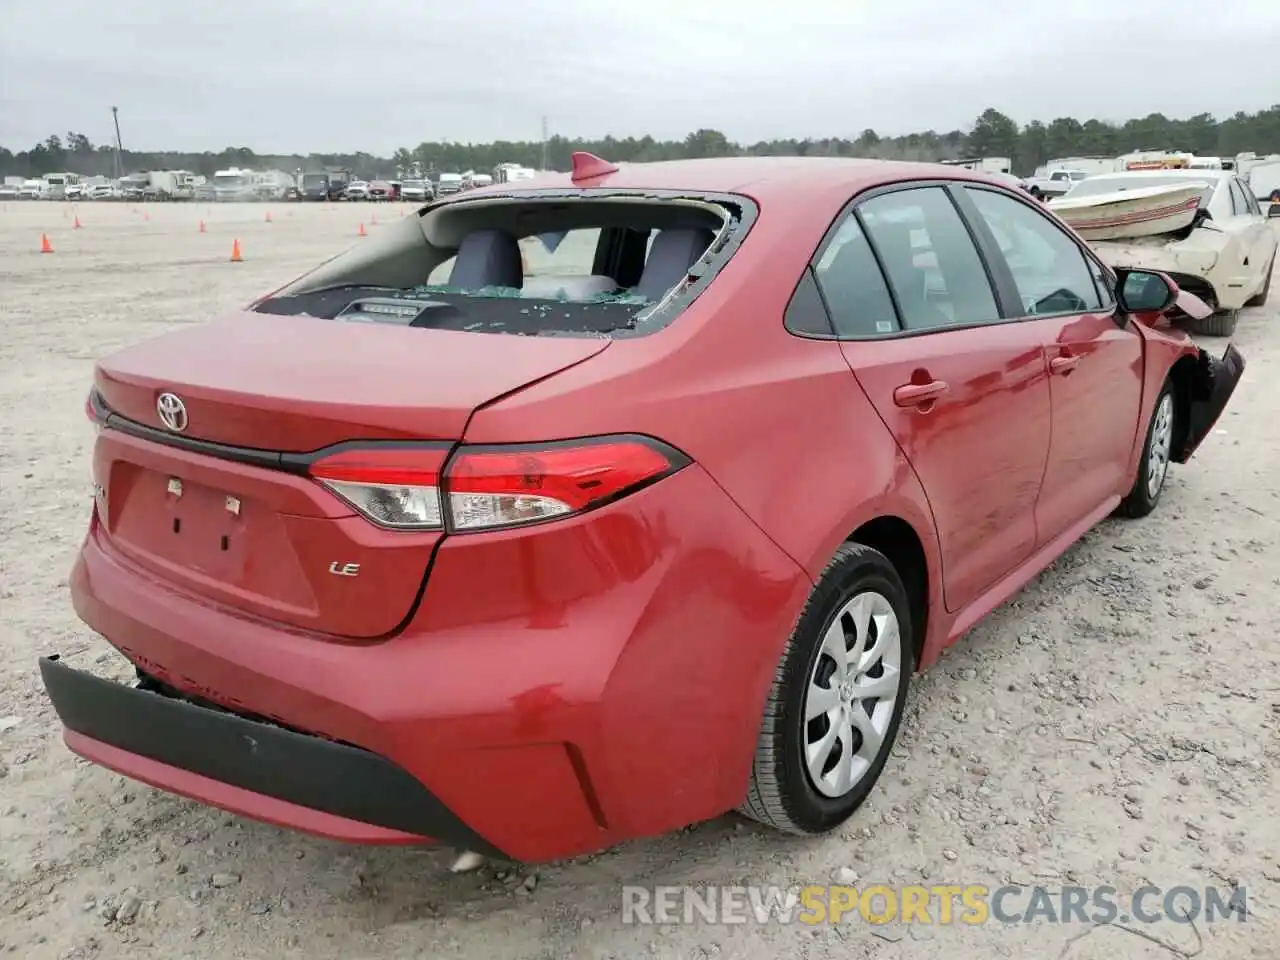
column 837, row 698
column 1157, row 451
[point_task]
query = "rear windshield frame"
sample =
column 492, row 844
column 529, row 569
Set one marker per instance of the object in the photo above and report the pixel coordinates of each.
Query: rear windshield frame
column 740, row 214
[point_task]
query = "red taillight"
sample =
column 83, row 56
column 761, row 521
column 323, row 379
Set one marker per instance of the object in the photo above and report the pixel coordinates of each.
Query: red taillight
column 498, row 487
column 491, row 486
column 394, row 486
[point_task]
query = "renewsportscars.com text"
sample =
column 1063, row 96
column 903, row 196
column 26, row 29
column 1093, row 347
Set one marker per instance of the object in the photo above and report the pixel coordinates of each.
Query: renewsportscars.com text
column 945, row 904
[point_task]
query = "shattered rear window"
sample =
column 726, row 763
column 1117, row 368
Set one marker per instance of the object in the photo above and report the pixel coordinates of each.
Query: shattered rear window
column 535, row 263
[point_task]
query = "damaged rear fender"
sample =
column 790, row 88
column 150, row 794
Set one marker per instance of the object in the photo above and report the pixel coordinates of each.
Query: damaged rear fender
column 1208, row 388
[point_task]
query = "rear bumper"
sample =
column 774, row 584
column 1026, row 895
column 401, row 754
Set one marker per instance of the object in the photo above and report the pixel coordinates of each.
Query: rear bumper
column 558, row 690
column 176, row 744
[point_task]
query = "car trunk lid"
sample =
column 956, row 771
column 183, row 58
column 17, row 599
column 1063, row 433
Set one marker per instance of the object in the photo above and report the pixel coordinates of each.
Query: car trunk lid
column 295, row 384
column 215, row 510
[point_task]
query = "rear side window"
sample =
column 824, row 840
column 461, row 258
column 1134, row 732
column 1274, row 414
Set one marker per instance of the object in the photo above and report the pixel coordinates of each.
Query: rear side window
column 1050, row 271
column 1239, row 205
column 935, row 271
column 853, row 285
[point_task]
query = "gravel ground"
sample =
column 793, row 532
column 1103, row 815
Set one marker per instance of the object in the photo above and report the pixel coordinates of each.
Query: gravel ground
column 1114, row 724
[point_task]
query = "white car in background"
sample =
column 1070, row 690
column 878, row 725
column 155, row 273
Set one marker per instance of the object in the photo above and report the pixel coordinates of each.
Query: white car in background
column 417, row 190
column 8, row 191
column 1227, row 255
column 357, row 190
column 103, row 191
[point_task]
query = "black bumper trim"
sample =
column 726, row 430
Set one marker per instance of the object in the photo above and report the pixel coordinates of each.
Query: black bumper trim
column 1214, row 383
column 306, row 770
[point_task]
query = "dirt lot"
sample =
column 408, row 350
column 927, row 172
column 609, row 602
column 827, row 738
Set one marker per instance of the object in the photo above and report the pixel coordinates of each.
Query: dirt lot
column 1115, row 724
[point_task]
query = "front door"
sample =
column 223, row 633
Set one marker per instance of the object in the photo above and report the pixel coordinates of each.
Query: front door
column 1095, row 364
column 965, row 393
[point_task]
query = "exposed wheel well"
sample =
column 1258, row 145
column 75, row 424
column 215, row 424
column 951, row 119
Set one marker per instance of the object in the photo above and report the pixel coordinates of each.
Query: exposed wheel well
column 896, row 539
column 1182, row 374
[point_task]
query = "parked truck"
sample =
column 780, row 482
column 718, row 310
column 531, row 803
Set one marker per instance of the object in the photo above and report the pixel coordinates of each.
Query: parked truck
column 57, row 185
column 169, row 185
column 512, row 172
column 983, row 164
column 324, row 184
column 1054, row 184
column 233, row 184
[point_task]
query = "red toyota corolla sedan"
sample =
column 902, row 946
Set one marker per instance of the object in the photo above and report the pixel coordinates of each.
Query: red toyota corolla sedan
column 586, row 508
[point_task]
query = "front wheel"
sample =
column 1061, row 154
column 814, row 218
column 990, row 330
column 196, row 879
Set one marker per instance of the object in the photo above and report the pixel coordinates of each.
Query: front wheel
column 837, row 698
column 1157, row 451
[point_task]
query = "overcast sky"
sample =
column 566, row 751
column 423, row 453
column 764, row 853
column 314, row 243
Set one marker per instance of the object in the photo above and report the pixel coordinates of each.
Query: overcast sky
column 310, row 75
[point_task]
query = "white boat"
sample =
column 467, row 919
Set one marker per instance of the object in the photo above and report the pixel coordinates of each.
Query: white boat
column 1125, row 214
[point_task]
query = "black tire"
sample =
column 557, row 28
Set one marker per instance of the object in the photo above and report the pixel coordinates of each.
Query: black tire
column 1220, row 324
column 1037, row 193
column 1261, row 299
column 1140, row 500
column 782, row 792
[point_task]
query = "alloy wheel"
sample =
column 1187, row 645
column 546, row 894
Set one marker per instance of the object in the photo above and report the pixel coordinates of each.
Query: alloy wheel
column 1159, row 447
column 852, row 693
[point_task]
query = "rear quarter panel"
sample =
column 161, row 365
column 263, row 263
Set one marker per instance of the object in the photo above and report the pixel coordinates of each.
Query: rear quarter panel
column 778, row 421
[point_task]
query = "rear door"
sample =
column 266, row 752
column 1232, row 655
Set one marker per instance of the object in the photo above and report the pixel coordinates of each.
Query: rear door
column 1095, row 363
column 965, row 393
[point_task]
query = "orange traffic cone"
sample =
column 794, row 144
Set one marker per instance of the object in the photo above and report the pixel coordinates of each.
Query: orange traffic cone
column 45, row 245
column 361, row 232
column 267, row 218
column 202, row 226
column 75, row 224
column 235, row 252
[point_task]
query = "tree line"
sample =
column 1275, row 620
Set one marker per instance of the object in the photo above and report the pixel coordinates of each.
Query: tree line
column 993, row 134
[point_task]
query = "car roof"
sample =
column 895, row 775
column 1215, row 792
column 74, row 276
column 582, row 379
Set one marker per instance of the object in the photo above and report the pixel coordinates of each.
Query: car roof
column 764, row 178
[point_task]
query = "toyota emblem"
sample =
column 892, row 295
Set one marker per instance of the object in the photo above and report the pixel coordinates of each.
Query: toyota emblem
column 173, row 412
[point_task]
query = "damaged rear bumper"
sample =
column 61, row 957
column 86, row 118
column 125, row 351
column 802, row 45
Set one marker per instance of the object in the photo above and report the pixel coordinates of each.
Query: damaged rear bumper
column 1212, row 386
column 248, row 766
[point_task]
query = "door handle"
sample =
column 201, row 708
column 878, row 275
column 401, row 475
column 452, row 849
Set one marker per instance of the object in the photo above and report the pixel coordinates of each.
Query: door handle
column 1063, row 365
column 918, row 394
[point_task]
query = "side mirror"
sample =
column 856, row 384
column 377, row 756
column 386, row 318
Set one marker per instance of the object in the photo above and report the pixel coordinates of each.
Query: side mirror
column 1142, row 291
column 1274, row 209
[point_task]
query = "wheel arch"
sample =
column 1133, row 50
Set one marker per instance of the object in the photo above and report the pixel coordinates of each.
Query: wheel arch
column 1181, row 375
column 902, row 545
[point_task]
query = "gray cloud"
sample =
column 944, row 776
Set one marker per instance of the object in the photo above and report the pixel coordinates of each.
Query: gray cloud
column 285, row 75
